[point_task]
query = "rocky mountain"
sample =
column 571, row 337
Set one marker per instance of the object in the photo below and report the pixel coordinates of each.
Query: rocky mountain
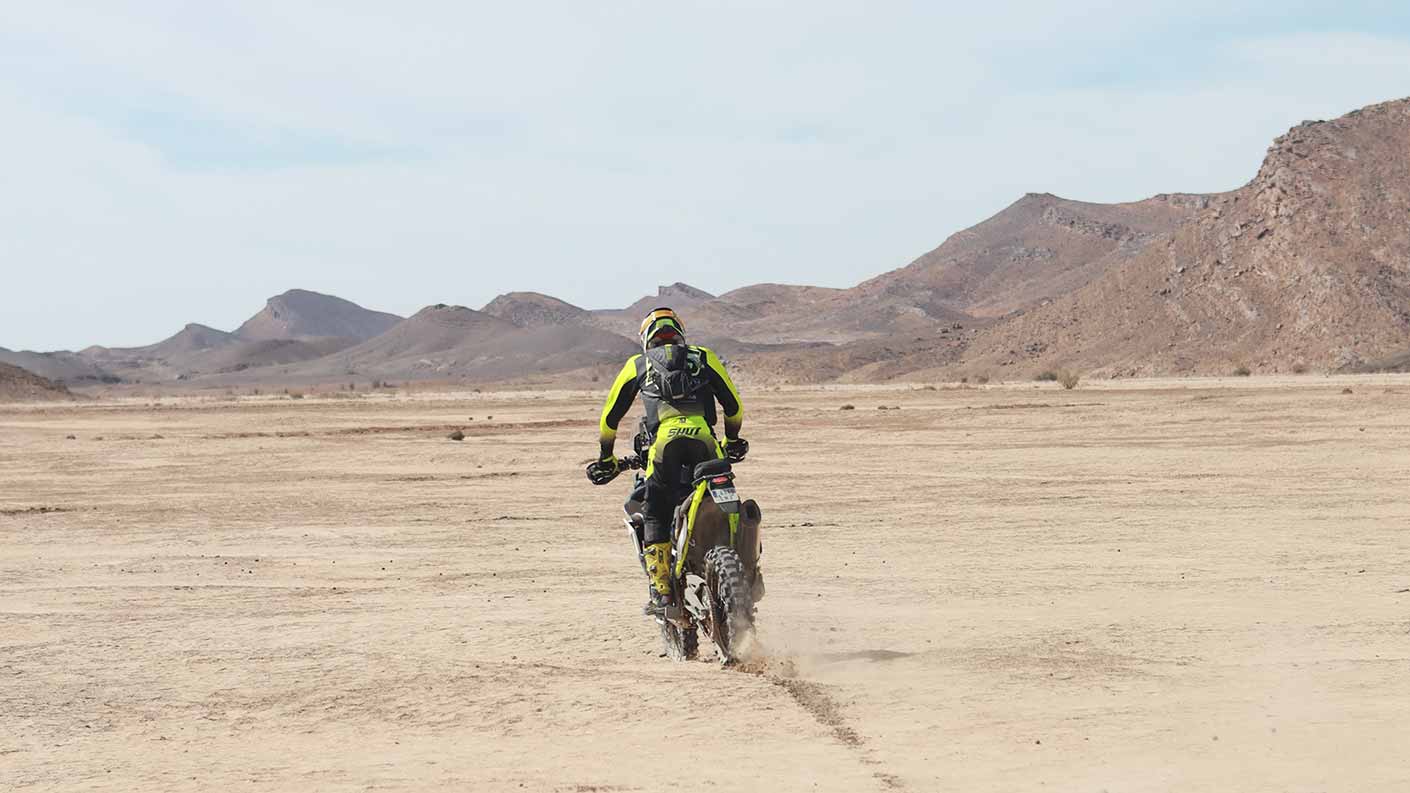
column 61, row 366
column 293, row 327
column 301, row 314
column 677, row 296
column 1308, row 265
column 532, row 310
column 22, row 385
column 188, row 342
column 192, row 339
column 1305, row 267
column 443, row 342
column 1039, row 247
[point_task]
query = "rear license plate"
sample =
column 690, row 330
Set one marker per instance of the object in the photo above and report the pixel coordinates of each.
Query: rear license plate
column 724, row 495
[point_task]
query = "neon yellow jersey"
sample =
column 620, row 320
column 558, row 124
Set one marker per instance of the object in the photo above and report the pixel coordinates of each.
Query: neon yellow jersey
column 633, row 377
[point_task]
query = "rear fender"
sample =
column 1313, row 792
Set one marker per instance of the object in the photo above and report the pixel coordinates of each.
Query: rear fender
column 705, row 526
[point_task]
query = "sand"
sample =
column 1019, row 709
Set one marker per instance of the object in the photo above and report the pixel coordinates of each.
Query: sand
column 1133, row 586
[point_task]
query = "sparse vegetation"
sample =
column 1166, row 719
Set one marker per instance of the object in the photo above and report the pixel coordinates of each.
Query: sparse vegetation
column 848, row 407
column 1048, row 376
column 1299, row 368
column 982, row 379
column 1069, row 379
column 1242, row 371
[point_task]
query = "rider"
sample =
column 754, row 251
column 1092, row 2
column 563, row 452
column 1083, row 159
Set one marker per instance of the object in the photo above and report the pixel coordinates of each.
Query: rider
column 679, row 385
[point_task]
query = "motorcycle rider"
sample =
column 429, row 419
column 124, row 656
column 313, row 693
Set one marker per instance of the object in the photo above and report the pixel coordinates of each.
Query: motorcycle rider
column 679, row 385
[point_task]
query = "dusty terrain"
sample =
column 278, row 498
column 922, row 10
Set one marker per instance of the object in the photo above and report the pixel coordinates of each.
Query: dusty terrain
column 1134, row 586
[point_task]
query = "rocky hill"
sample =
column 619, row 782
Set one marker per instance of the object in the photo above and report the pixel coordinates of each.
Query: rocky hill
column 677, row 295
column 301, row 314
column 444, row 342
column 22, row 385
column 532, row 310
column 1308, row 265
column 1040, row 247
column 61, row 366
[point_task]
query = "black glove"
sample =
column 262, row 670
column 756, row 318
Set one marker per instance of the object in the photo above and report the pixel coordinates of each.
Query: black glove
column 603, row 471
column 736, row 449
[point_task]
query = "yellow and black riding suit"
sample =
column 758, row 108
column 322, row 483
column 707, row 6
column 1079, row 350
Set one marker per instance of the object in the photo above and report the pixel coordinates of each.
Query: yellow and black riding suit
column 679, row 386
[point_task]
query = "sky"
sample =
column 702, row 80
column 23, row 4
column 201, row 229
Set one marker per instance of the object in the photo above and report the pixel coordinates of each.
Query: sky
column 172, row 162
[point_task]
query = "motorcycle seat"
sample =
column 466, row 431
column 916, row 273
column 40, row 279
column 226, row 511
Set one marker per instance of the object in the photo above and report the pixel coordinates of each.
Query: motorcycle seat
column 711, row 468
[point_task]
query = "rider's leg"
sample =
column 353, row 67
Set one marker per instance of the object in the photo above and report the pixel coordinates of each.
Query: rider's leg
column 672, row 460
column 658, row 505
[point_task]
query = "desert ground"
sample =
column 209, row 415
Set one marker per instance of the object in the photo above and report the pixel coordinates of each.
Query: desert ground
column 1198, row 585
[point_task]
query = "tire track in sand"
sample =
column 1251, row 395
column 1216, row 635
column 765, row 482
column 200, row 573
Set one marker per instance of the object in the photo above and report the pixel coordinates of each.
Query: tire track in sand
column 814, row 698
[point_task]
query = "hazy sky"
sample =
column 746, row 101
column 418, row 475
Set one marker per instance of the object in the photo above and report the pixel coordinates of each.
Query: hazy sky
column 169, row 162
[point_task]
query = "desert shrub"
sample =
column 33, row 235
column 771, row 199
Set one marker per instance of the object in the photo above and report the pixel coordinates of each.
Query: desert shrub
column 1048, row 376
column 848, row 407
column 1242, row 371
column 296, row 394
column 1299, row 368
column 1069, row 379
column 982, row 379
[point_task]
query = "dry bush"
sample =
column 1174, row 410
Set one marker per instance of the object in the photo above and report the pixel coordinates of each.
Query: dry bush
column 1299, row 368
column 1069, row 379
column 1048, row 376
column 982, row 379
column 1242, row 371
column 848, row 407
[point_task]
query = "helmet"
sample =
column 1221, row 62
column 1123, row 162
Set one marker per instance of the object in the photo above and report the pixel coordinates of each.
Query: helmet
column 661, row 326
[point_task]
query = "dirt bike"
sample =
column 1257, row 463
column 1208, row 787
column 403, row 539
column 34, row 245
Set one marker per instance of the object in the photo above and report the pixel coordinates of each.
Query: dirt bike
column 715, row 577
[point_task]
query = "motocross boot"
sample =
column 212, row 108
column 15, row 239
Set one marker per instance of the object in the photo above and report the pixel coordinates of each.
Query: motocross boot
column 658, row 567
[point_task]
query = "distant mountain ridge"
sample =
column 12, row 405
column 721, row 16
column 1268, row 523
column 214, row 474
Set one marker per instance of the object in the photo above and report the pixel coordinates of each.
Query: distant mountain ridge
column 301, row 314
column 1305, row 267
column 533, row 309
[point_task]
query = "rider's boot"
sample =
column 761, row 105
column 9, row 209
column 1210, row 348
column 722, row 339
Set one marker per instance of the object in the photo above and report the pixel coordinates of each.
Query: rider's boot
column 658, row 567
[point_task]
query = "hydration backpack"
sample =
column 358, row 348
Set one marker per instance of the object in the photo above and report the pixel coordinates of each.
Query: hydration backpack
column 674, row 374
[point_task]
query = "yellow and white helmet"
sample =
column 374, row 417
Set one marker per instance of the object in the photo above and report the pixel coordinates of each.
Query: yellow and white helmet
column 661, row 326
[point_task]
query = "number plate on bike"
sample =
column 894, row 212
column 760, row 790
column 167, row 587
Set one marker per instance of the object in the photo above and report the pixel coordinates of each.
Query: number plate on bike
column 724, row 494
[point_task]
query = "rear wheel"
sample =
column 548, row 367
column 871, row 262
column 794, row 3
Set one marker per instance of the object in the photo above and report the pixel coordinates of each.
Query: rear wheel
column 682, row 644
column 731, row 604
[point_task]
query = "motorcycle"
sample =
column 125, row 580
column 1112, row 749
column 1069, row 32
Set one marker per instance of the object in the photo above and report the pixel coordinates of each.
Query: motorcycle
column 715, row 550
